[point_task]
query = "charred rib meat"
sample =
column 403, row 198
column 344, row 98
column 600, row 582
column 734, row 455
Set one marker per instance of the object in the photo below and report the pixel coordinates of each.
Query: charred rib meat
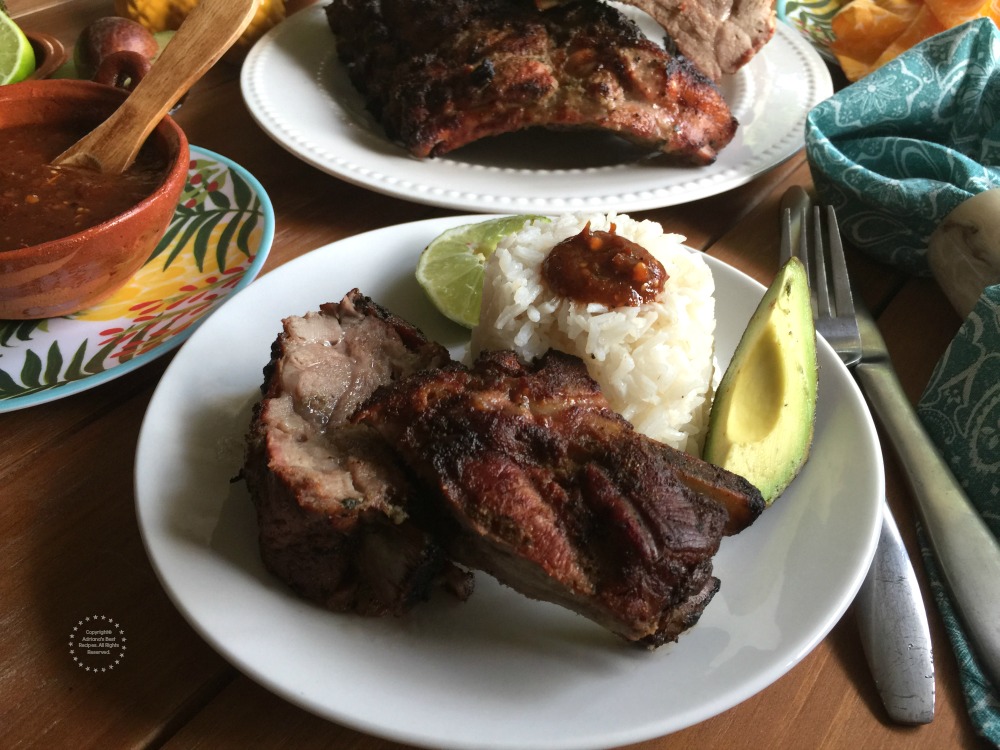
column 333, row 506
column 439, row 74
column 718, row 36
column 545, row 487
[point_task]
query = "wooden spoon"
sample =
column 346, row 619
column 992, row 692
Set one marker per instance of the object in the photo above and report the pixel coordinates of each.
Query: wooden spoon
column 206, row 33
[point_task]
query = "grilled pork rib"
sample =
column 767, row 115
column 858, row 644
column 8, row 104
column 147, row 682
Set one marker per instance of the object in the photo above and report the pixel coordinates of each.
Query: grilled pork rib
column 439, row 74
column 546, row 488
column 332, row 503
column 718, row 36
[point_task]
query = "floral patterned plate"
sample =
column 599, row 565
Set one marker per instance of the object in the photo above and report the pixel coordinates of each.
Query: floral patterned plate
column 215, row 245
column 812, row 19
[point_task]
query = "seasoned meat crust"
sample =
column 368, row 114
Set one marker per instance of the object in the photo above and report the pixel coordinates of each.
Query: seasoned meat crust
column 378, row 466
column 333, row 506
column 549, row 490
column 439, row 74
column 718, row 36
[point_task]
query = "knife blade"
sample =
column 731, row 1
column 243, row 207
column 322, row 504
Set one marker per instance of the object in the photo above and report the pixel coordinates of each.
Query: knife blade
column 967, row 553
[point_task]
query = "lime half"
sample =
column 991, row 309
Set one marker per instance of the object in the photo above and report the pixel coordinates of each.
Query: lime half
column 17, row 58
column 450, row 269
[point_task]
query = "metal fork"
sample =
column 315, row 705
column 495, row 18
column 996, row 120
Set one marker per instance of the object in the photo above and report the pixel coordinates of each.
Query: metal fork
column 891, row 617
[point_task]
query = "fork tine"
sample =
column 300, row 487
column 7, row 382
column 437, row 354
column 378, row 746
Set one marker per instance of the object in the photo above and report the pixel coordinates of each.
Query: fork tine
column 803, row 248
column 843, row 299
column 820, row 287
column 786, row 236
column 793, row 214
column 794, row 233
column 838, row 326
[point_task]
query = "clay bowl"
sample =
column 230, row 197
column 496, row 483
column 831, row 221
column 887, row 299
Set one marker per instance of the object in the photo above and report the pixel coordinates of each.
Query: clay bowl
column 68, row 274
column 50, row 53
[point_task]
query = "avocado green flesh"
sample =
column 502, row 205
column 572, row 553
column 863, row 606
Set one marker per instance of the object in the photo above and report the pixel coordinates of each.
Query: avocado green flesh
column 761, row 423
column 759, row 391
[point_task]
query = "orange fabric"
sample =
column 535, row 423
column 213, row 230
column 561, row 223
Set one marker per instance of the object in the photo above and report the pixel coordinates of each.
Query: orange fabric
column 864, row 28
column 869, row 33
column 925, row 25
column 954, row 12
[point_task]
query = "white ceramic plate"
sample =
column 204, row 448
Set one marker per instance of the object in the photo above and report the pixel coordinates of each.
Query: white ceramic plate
column 498, row 672
column 215, row 245
column 299, row 94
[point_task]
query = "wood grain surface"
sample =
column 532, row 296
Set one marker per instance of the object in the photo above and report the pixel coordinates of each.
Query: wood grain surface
column 71, row 546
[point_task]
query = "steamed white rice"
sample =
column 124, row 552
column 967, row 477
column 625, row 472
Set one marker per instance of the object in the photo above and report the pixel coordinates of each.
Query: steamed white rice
column 653, row 362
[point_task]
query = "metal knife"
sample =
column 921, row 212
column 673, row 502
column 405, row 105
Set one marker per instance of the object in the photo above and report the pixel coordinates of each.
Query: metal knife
column 967, row 553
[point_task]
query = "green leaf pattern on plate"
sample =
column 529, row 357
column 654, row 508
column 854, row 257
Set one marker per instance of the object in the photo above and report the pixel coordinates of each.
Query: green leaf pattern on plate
column 212, row 239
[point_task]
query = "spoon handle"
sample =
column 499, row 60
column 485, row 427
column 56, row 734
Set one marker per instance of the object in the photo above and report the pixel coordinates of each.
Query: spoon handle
column 206, row 33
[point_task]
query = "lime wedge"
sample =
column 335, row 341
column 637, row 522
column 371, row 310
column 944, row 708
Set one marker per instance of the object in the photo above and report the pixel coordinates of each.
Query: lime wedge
column 450, row 269
column 17, row 58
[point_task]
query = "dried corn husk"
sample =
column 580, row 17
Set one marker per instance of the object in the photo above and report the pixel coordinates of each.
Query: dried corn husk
column 167, row 15
column 964, row 251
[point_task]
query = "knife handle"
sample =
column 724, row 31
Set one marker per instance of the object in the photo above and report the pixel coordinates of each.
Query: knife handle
column 892, row 623
column 967, row 553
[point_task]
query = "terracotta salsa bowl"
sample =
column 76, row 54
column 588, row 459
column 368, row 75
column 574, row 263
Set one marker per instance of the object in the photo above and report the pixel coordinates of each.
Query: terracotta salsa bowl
column 65, row 274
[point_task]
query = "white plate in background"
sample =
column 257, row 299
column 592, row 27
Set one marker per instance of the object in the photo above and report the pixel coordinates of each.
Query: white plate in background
column 299, row 93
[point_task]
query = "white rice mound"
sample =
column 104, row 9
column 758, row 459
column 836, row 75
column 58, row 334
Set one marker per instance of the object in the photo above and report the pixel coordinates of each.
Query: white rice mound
column 654, row 362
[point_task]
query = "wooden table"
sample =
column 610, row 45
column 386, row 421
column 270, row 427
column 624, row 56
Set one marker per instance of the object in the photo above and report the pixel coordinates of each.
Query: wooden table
column 71, row 546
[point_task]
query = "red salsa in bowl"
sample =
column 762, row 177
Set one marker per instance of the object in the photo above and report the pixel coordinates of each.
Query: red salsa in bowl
column 40, row 202
column 71, row 237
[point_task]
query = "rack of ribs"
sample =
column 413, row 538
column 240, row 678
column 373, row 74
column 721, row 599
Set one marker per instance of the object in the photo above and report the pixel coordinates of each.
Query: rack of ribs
column 439, row 74
column 531, row 477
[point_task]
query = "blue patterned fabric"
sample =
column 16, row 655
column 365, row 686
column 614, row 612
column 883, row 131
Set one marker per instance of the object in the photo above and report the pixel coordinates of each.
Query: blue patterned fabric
column 980, row 699
column 896, row 151
column 961, row 410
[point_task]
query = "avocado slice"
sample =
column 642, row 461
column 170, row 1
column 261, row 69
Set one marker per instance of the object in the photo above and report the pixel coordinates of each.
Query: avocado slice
column 761, row 423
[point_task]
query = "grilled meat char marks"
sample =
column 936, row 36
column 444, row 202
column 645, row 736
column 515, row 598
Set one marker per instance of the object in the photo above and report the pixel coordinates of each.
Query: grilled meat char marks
column 332, row 503
column 439, row 74
column 718, row 36
column 377, row 465
column 546, row 488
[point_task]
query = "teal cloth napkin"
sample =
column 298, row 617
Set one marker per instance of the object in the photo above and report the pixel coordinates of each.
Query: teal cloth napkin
column 961, row 410
column 895, row 153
